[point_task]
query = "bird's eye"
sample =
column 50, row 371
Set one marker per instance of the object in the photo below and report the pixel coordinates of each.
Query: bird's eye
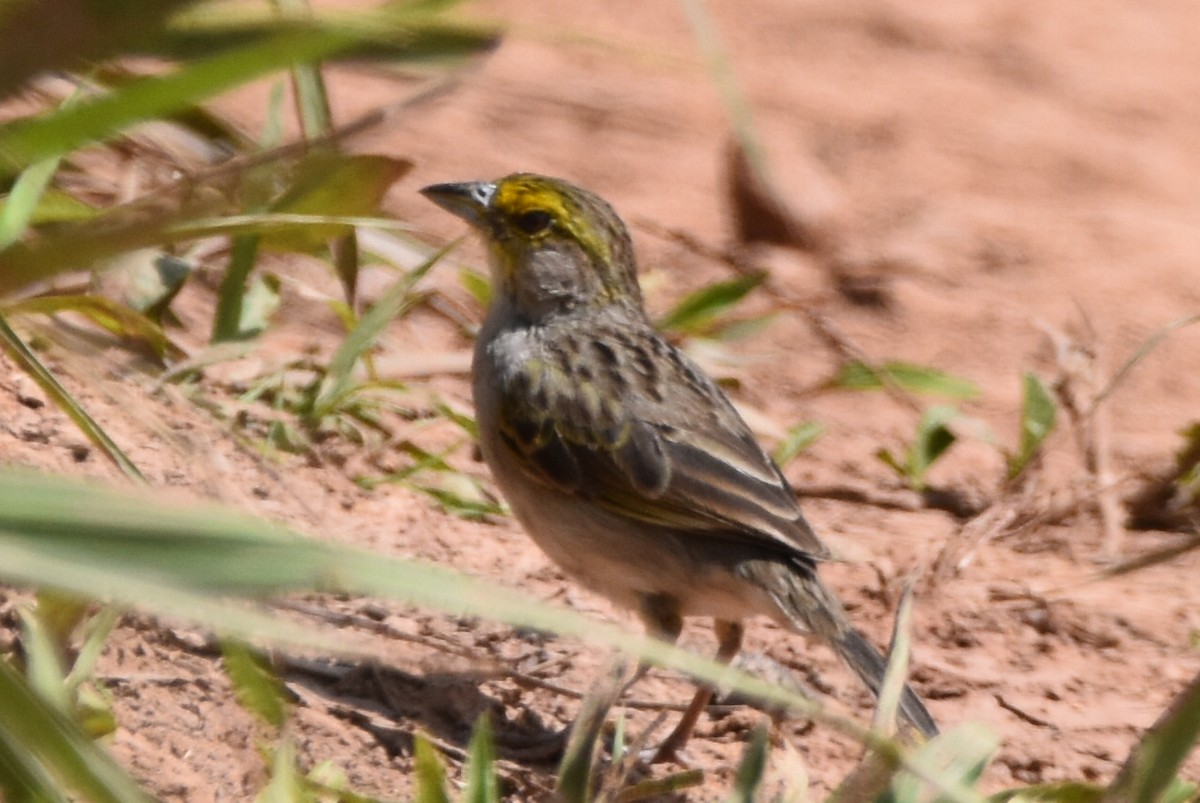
column 533, row 222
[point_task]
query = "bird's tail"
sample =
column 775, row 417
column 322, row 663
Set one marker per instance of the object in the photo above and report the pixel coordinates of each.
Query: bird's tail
column 820, row 612
column 869, row 664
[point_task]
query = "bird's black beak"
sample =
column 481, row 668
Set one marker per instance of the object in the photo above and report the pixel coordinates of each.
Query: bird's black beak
column 469, row 200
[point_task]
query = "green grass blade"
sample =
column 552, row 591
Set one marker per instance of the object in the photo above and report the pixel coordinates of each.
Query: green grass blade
column 312, row 98
column 482, row 784
column 575, row 776
column 21, row 205
column 111, row 315
column 21, row 354
column 697, row 310
column 719, row 67
column 894, row 676
column 906, row 376
column 1038, row 413
column 227, row 320
column 1150, row 769
column 141, row 550
column 24, row 142
column 956, row 757
column 286, row 784
column 255, row 684
column 429, row 777
column 798, row 438
column 751, row 769
column 49, row 744
column 393, row 303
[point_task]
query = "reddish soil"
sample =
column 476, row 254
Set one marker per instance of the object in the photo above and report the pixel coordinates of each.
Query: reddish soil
column 1002, row 177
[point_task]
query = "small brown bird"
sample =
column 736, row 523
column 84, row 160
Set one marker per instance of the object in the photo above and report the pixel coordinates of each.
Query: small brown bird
column 625, row 462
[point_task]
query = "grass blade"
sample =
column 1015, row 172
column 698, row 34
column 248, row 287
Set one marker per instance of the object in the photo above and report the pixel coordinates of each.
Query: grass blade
column 906, row 376
column 26, row 141
column 693, row 314
column 1037, row 422
column 255, row 684
column 575, row 770
column 12, row 343
column 1151, row 767
column 227, row 320
column 141, row 550
column 480, row 772
column 48, row 744
column 429, row 777
column 752, row 768
column 799, row 438
column 393, row 303
column 110, row 315
column 22, row 203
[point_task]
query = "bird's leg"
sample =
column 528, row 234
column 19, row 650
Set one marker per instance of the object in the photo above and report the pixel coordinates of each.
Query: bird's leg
column 729, row 641
column 660, row 615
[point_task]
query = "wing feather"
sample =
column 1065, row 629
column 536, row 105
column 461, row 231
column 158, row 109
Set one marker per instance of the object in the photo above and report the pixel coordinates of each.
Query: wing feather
column 683, row 460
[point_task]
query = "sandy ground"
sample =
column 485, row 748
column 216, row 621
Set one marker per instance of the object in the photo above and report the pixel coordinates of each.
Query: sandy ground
column 1008, row 181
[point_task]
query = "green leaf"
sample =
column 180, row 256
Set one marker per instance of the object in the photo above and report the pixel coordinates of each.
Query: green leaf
column 111, row 315
column 1037, row 422
column 1150, row 769
column 54, row 206
column 21, row 206
column 906, row 376
column 329, row 184
column 227, row 320
column 286, row 784
column 477, row 284
column 751, row 769
column 143, row 550
column 404, row 32
column 932, row 439
column 575, row 770
column 44, row 665
column 255, row 684
column 29, row 140
column 957, row 757
column 660, row 788
column 798, row 438
column 259, row 304
column 429, row 776
column 1058, row 792
column 482, row 784
column 398, row 299
column 49, row 754
column 696, row 312
column 21, row 354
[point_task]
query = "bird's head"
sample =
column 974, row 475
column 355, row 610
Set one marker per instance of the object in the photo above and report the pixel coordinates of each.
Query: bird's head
column 553, row 246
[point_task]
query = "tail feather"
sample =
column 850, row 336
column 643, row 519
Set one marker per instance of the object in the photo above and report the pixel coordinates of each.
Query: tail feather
column 810, row 605
column 870, row 665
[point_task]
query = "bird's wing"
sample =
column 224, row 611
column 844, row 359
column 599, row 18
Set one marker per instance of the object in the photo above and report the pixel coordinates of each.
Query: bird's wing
column 683, row 460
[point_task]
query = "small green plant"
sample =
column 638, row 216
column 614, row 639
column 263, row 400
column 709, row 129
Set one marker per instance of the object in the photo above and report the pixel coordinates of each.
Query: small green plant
column 1038, row 412
column 933, row 438
column 706, row 312
column 905, row 376
column 797, row 439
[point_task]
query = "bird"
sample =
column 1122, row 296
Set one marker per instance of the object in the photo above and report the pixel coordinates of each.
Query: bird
column 621, row 458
